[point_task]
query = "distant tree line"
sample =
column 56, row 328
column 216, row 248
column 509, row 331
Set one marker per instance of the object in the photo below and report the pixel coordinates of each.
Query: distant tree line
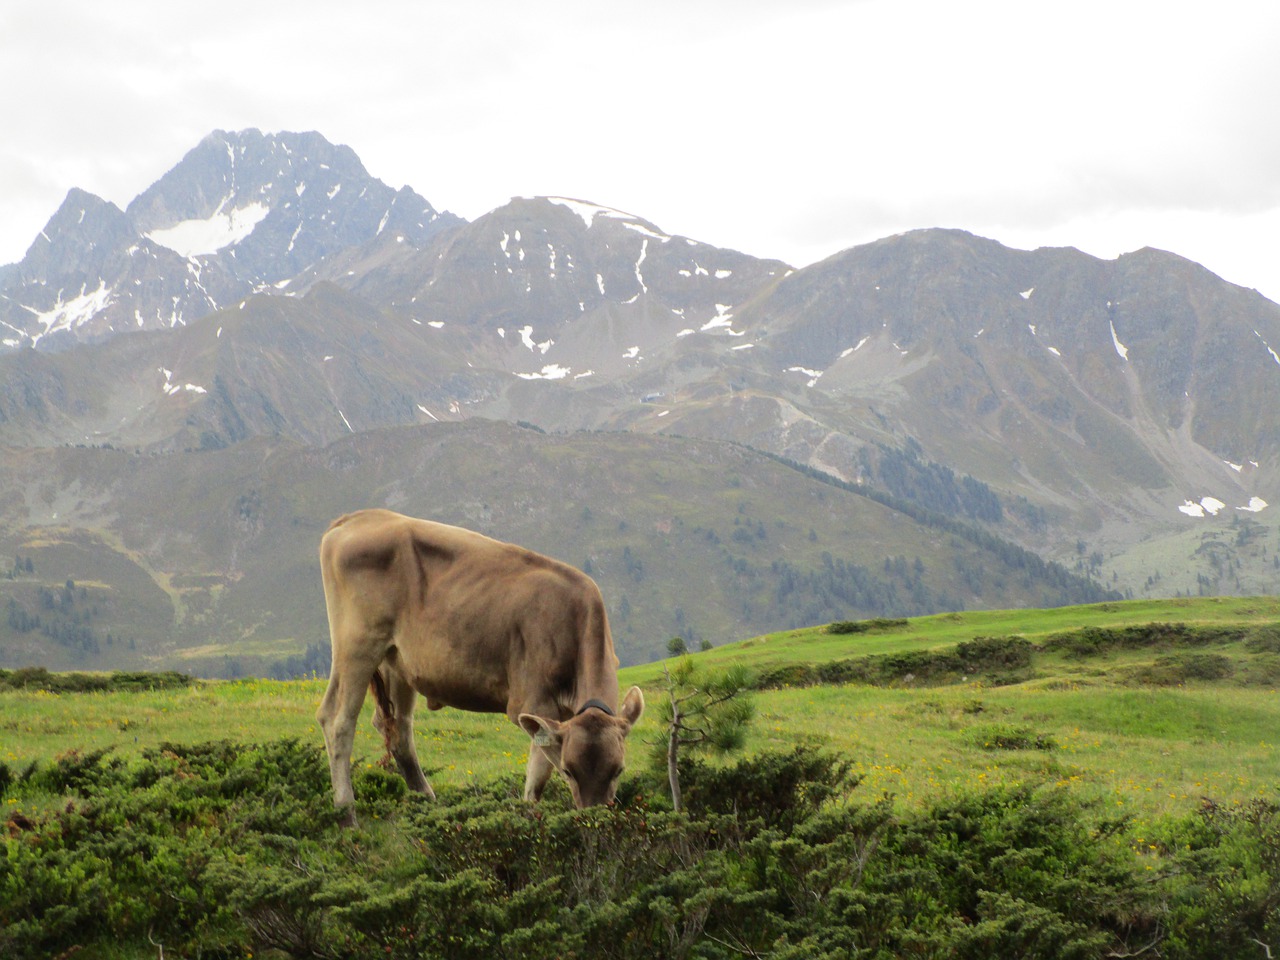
column 312, row 662
column 905, row 473
column 841, row 587
column 21, row 565
column 65, row 616
column 1068, row 588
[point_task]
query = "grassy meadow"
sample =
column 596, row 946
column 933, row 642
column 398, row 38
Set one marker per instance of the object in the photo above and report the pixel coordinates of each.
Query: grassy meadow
column 1088, row 782
column 1114, row 726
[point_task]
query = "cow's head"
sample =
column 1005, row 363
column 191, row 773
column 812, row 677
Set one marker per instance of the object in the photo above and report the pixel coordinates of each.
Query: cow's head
column 589, row 749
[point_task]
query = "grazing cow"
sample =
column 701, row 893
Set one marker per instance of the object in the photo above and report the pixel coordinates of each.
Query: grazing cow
column 417, row 607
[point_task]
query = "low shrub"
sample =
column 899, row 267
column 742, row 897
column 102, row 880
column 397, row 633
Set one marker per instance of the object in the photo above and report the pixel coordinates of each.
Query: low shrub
column 1003, row 736
column 1095, row 641
column 865, row 626
column 1261, row 670
column 39, row 678
column 779, row 789
column 1178, row 668
column 993, row 659
column 1264, row 639
column 226, row 850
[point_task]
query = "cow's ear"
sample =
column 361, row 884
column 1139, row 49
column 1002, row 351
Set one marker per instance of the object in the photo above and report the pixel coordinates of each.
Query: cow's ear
column 545, row 733
column 632, row 705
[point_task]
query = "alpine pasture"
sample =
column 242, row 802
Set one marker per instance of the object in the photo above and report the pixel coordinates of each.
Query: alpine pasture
column 1085, row 782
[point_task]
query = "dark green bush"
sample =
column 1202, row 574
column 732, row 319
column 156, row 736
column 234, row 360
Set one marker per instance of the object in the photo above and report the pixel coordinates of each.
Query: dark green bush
column 865, row 626
column 1171, row 670
column 1095, row 641
column 1222, row 881
column 790, row 675
column 223, row 850
column 1264, row 639
column 12, row 777
column 1262, row 670
column 38, row 678
column 993, row 659
column 1003, row 736
column 780, row 789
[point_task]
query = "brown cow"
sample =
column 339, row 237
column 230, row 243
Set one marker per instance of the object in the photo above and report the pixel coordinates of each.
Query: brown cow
column 469, row 622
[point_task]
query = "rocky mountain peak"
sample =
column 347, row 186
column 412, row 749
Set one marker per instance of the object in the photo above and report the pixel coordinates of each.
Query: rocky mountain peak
column 83, row 224
column 239, row 213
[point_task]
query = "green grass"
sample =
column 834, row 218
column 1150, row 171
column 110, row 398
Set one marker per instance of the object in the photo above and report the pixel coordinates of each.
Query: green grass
column 1142, row 750
column 814, row 644
column 38, row 726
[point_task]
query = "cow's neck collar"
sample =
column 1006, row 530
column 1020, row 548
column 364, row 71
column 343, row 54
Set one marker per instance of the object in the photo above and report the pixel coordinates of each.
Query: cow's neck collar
column 598, row 704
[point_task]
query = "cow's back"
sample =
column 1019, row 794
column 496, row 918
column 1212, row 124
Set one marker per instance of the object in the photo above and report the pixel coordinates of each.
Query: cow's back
column 475, row 622
column 363, row 565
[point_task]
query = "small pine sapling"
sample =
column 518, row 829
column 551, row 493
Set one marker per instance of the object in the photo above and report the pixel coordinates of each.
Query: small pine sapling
column 701, row 709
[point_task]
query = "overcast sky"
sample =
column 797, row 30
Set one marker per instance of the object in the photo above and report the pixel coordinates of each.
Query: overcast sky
column 790, row 130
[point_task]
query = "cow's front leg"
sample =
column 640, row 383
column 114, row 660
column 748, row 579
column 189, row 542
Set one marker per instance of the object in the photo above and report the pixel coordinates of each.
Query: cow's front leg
column 537, row 773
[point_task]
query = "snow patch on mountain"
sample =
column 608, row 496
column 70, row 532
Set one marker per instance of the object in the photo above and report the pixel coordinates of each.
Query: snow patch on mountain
column 641, row 229
column 197, row 238
column 67, row 314
column 170, row 388
column 589, row 211
column 1212, row 506
column 1120, row 347
column 813, row 375
column 1274, row 356
column 644, row 252
column 723, row 318
column 526, row 337
column 552, row 371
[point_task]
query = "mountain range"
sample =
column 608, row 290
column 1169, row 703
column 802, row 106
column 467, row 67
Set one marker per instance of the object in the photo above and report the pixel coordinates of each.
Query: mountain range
column 180, row 378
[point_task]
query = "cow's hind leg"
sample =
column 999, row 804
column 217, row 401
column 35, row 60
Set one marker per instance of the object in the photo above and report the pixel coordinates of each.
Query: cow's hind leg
column 394, row 698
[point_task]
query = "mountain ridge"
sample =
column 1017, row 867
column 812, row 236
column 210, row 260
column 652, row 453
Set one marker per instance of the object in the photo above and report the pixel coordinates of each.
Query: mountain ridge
column 1119, row 417
column 204, row 557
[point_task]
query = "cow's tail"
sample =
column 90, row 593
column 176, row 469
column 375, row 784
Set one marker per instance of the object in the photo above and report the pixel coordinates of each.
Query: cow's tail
column 386, row 712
